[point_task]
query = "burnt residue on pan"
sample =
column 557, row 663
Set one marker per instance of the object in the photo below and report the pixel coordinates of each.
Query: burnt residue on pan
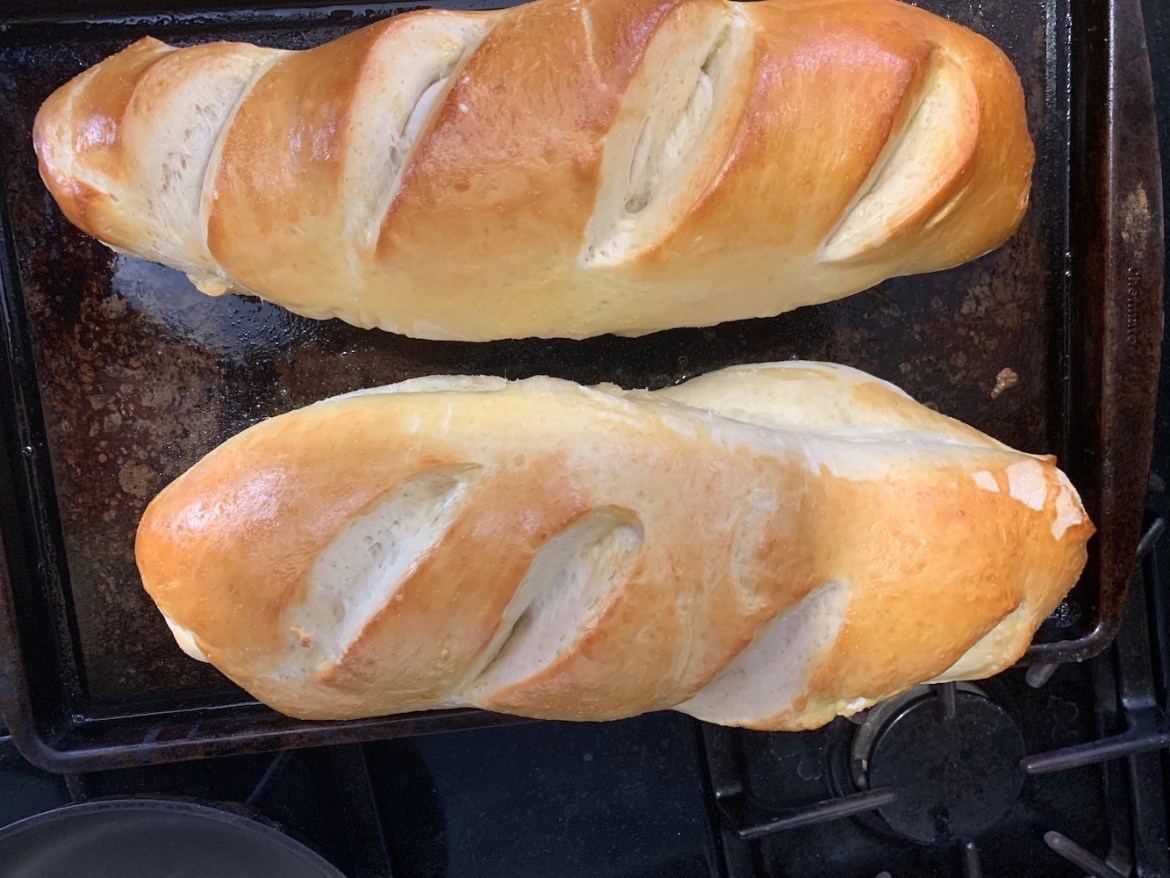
column 139, row 375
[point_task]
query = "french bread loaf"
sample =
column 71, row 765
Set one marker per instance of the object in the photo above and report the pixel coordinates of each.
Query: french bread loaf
column 561, row 168
column 766, row 546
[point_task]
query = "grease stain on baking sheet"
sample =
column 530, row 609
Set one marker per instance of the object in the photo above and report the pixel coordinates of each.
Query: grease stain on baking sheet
column 1135, row 221
column 238, row 328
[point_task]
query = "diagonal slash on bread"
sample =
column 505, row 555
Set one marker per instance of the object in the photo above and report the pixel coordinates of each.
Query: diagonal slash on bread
column 559, row 168
column 767, row 546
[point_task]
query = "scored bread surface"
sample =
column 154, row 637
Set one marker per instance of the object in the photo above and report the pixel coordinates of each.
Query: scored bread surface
column 767, row 546
column 559, row 168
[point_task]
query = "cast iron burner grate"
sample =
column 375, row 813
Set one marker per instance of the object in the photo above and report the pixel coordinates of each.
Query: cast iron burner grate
column 938, row 768
column 943, row 771
column 952, row 756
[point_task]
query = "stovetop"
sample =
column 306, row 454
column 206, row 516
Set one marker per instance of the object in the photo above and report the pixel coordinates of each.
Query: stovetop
column 1053, row 771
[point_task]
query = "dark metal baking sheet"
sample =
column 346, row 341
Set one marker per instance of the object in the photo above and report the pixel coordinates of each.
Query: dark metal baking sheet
column 117, row 375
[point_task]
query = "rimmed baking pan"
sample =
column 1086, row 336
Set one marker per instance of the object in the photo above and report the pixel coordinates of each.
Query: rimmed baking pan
column 116, row 375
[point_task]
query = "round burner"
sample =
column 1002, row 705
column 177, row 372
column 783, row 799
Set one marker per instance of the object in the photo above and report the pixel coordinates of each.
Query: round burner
column 954, row 777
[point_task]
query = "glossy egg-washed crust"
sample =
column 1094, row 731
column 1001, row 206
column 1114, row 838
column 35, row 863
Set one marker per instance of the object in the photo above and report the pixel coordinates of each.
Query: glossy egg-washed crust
column 485, row 229
column 952, row 547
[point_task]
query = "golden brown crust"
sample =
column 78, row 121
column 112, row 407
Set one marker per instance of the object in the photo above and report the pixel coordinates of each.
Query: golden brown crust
column 79, row 127
column 948, row 545
column 527, row 162
column 808, row 149
column 285, row 140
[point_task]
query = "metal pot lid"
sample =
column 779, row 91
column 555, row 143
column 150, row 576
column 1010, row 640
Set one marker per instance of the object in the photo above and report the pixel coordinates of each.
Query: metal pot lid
column 152, row 838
